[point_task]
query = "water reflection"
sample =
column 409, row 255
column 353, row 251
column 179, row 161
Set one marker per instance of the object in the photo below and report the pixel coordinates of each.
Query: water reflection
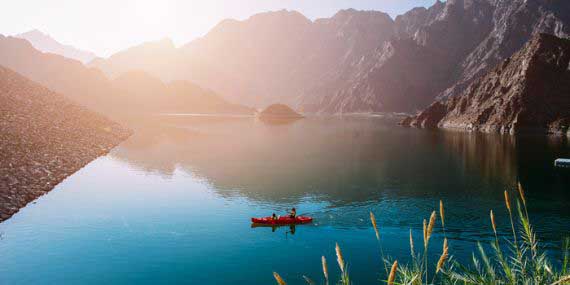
column 348, row 166
column 278, row 120
column 183, row 189
column 290, row 229
column 344, row 160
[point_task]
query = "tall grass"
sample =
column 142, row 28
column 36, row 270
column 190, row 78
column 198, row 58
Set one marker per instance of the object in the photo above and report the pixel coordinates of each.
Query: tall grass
column 516, row 260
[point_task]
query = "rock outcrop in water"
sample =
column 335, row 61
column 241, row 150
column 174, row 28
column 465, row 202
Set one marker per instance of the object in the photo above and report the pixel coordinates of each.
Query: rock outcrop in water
column 44, row 138
column 279, row 110
column 529, row 91
column 279, row 113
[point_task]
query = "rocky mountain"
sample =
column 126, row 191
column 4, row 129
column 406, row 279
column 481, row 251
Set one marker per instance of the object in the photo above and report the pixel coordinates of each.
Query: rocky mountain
column 529, row 91
column 44, row 138
column 278, row 114
column 270, row 57
column 45, row 43
column 87, row 86
column 436, row 52
column 131, row 95
column 355, row 61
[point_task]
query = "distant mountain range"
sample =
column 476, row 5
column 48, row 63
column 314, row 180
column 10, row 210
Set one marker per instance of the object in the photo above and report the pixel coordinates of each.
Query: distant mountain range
column 132, row 94
column 355, row 61
column 45, row 43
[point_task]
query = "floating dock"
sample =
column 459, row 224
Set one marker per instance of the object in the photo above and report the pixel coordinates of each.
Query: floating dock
column 562, row 162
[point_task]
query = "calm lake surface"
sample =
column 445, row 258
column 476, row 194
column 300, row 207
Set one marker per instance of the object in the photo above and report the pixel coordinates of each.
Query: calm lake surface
column 173, row 203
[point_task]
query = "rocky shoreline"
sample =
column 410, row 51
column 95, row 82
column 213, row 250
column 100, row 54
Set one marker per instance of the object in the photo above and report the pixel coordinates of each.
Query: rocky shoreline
column 44, row 138
column 526, row 93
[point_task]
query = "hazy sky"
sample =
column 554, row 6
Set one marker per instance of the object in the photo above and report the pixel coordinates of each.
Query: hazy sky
column 107, row 26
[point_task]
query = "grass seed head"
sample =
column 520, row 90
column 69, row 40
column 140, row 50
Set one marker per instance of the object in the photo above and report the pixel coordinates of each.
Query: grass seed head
column 325, row 268
column 507, row 201
column 373, row 220
column 392, row 276
column 279, row 279
column 443, row 257
column 442, row 213
column 339, row 258
column 521, row 193
column 493, row 222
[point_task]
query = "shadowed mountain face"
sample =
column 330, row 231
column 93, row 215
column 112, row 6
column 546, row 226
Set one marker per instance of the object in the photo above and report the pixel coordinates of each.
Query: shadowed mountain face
column 355, row 61
column 45, row 43
column 133, row 94
column 529, row 91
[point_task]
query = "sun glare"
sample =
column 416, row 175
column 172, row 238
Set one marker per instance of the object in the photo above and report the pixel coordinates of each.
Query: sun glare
column 153, row 16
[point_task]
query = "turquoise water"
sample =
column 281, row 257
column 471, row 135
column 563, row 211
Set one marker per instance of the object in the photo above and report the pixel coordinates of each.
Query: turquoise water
column 172, row 204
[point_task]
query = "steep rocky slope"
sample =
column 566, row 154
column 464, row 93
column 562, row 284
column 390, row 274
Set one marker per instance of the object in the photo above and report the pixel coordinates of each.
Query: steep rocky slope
column 514, row 23
column 44, row 138
column 529, row 91
column 45, row 43
column 409, row 70
column 436, row 52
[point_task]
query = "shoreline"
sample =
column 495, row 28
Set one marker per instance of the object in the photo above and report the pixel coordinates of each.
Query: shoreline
column 45, row 138
column 31, row 180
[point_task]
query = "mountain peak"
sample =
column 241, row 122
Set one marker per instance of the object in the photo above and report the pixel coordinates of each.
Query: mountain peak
column 45, row 43
column 288, row 15
column 353, row 12
column 34, row 32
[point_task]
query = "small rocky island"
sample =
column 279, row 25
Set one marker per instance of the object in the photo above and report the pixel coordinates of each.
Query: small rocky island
column 44, row 138
column 528, row 92
column 279, row 113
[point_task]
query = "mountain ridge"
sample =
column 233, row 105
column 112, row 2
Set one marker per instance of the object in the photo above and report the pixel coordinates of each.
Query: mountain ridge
column 272, row 56
column 357, row 61
column 46, row 43
column 91, row 88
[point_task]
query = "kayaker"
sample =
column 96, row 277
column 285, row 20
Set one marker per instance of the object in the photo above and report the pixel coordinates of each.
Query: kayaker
column 274, row 217
column 293, row 213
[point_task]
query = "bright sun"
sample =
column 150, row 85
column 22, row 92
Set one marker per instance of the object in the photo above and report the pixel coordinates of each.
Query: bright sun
column 151, row 14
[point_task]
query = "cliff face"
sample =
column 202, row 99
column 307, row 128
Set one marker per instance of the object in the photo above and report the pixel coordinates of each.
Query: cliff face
column 529, row 91
column 515, row 22
column 437, row 52
column 408, row 71
column 44, row 138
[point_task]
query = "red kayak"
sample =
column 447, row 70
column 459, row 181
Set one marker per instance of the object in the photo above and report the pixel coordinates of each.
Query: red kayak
column 282, row 220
